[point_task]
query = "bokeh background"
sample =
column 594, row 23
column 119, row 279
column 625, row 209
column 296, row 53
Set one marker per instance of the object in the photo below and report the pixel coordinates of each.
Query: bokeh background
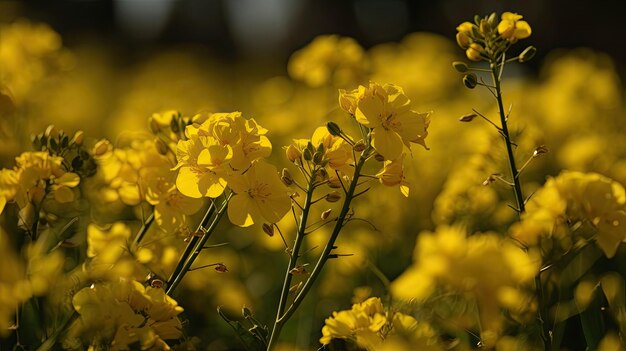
column 114, row 63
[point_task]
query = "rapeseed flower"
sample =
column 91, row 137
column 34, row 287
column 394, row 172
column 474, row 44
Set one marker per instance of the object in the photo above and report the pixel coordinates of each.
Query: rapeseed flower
column 386, row 110
column 260, row 196
column 512, row 28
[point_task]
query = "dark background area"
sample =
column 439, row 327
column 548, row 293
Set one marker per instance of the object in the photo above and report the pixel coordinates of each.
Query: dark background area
column 273, row 29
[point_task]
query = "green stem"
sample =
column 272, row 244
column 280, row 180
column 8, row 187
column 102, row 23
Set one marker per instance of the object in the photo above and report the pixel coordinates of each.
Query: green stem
column 541, row 309
column 144, row 228
column 280, row 322
column 172, row 284
column 50, row 342
column 293, row 260
column 192, row 242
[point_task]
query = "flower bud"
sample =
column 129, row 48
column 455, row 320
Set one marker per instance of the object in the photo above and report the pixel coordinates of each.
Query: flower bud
column 293, row 153
column 154, row 126
column 220, row 267
column 459, row 66
column 318, row 156
column 268, row 229
column 540, row 151
column 474, row 52
column 527, row 54
column 333, row 197
column 51, row 131
column 379, row 157
column 326, row 214
column 307, row 154
column 160, row 146
column 101, row 148
column 78, row 138
column 286, row 177
column 334, row 183
column 359, row 146
column 484, row 27
column 156, row 283
column 468, row 117
column 470, row 80
column 333, row 129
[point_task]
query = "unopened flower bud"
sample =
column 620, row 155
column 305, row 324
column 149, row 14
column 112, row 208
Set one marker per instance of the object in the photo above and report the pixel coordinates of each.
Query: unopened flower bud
column 527, row 54
column 359, row 146
column 154, row 126
column 460, row 67
column 470, row 80
column 492, row 178
column 334, row 183
column 492, row 20
column 101, row 147
column 51, row 131
column 293, row 153
column 484, row 27
column 161, row 146
column 286, row 177
column 307, row 154
column 156, row 283
column 333, row 129
column 333, row 197
column 78, row 138
column 468, row 117
column 318, row 156
column 379, row 157
column 268, row 229
column 326, row 214
column 540, row 151
column 220, row 267
column 474, row 52
column 298, row 270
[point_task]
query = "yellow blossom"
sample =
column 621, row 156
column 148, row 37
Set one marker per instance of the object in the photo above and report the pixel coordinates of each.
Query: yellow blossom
column 386, row 110
column 512, row 28
column 392, row 174
column 260, row 196
column 464, row 34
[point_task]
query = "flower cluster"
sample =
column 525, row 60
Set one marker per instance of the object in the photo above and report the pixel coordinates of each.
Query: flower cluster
column 571, row 201
column 371, row 327
column 329, row 59
column 119, row 314
column 487, row 40
column 491, row 271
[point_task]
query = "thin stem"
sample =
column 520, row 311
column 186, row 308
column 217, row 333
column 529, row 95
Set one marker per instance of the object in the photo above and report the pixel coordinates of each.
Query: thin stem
column 293, row 260
column 192, row 242
column 144, row 228
column 541, row 312
column 282, row 319
column 176, row 279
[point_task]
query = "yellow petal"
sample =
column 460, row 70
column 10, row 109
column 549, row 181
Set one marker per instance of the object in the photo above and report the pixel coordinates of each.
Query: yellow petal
column 368, row 111
column 187, row 182
column 387, row 142
column 239, row 210
column 64, row 195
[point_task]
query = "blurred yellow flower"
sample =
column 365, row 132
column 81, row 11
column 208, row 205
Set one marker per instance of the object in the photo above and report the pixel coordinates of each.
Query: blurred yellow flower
column 260, row 196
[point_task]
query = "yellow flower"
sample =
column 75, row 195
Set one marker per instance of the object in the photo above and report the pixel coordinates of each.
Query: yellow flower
column 260, row 196
column 123, row 313
column 512, row 28
column 328, row 59
column 392, row 174
column 386, row 110
column 9, row 180
column 202, row 162
column 463, row 37
column 362, row 323
column 336, row 150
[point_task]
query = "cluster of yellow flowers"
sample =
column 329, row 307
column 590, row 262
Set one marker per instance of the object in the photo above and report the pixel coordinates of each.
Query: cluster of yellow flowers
column 372, row 328
column 119, row 314
column 489, row 270
column 564, row 208
column 329, row 59
column 485, row 39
